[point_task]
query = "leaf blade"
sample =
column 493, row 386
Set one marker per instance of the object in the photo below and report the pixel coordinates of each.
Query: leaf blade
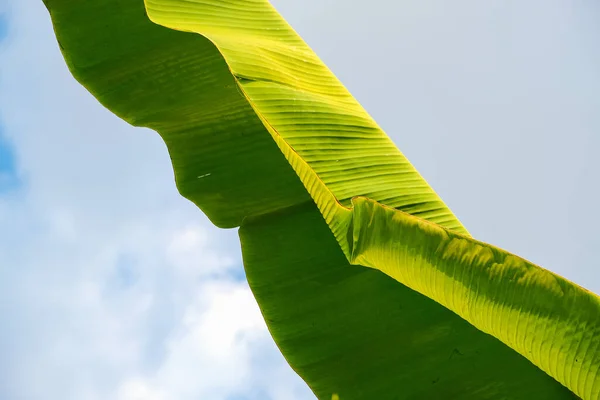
column 205, row 88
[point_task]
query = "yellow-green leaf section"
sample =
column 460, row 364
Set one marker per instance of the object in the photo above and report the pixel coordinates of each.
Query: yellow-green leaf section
column 328, row 138
column 237, row 101
column 549, row 320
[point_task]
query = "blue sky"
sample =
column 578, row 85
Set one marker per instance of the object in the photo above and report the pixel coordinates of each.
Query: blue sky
column 8, row 172
column 112, row 286
column 8, row 178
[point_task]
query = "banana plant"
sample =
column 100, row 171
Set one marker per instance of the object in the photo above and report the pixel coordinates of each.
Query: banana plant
column 369, row 284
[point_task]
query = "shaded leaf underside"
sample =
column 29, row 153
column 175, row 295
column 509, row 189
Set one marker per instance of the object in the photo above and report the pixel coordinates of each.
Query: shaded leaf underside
column 246, row 109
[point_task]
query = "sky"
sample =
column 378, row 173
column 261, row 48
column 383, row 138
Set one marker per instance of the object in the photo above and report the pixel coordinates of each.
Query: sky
column 112, row 286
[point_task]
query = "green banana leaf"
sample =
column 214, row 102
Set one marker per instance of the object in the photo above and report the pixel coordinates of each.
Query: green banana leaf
column 263, row 136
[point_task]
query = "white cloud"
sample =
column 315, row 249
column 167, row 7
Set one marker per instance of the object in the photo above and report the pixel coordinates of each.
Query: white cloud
column 209, row 355
column 112, row 286
column 186, row 248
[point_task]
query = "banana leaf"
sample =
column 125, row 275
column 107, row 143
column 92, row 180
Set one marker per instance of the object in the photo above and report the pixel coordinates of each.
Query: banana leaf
column 368, row 283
